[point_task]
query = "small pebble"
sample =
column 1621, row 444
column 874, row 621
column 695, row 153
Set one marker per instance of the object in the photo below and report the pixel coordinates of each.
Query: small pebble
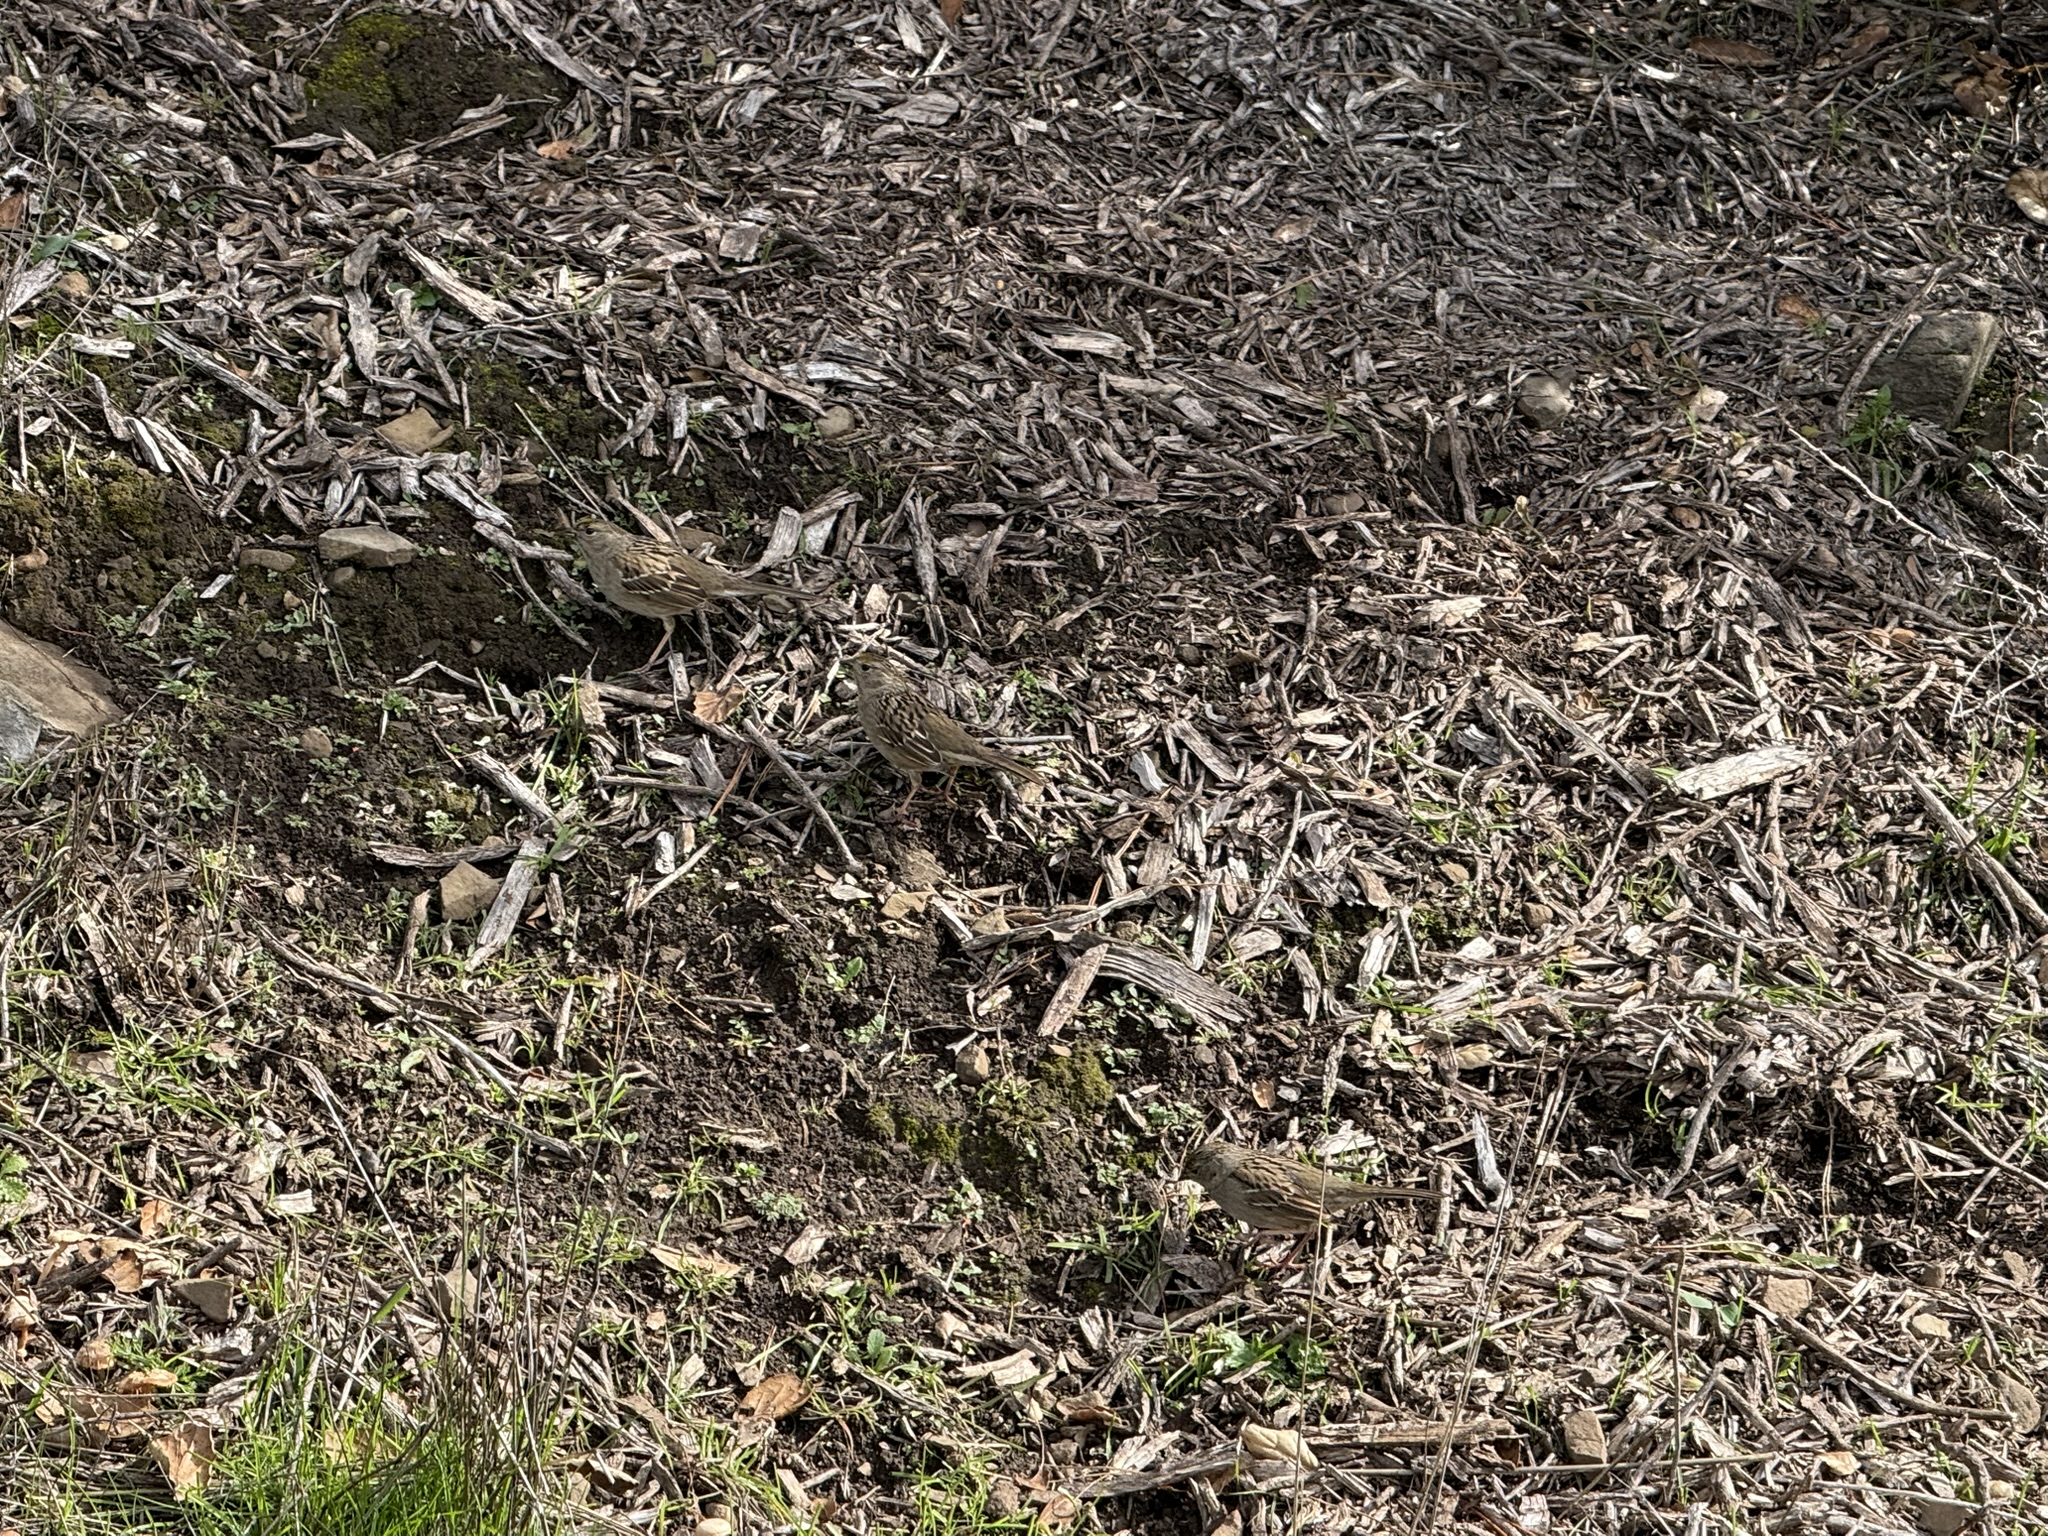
column 1543, row 401
column 266, row 650
column 837, row 422
column 258, row 558
column 315, row 742
column 1343, row 504
column 971, row 1064
column 340, row 576
column 476, row 647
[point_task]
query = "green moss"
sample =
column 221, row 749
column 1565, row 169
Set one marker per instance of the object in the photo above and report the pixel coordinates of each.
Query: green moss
column 1078, row 1081
column 502, row 398
column 924, row 1128
column 355, row 69
column 133, row 504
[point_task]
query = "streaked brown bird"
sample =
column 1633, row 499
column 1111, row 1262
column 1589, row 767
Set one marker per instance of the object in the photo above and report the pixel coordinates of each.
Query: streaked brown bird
column 659, row 580
column 914, row 735
column 1277, row 1194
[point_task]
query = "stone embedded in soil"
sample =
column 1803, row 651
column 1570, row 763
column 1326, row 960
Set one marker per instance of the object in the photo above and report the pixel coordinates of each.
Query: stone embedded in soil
column 971, row 1064
column 467, row 892
column 1931, row 1326
column 315, row 742
column 373, row 548
column 837, row 422
column 2023, row 1403
column 215, row 1299
column 278, row 560
column 1585, row 1442
column 1933, row 371
column 340, row 576
column 1543, row 401
column 1943, row 1517
column 43, row 692
column 1787, row 1296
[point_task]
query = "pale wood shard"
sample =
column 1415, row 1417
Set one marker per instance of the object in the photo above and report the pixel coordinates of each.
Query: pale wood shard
column 1745, row 770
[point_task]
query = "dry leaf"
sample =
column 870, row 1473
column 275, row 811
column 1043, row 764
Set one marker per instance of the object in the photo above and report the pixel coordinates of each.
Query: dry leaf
column 1087, row 1408
column 715, row 707
column 1984, row 95
column 185, row 1457
column 1264, row 1444
column 96, row 1356
column 1059, row 1511
column 13, row 210
column 142, row 1383
column 2029, row 190
column 777, row 1397
column 557, row 149
column 415, row 432
column 1733, row 52
column 950, row 11
column 699, row 1266
column 154, row 1217
column 1869, row 38
column 807, row 1245
column 1010, row 1372
column 1792, row 307
column 125, row 1275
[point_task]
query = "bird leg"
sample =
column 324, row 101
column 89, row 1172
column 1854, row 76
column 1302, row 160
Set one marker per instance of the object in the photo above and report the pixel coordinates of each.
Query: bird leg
column 907, row 794
column 668, row 635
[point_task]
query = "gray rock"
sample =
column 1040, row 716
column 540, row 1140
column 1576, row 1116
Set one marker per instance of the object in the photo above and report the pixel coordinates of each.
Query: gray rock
column 838, row 421
column 315, row 742
column 1943, row 1517
column 971, row 1064
column 1543, row 401
column 278, row 560
column 1585, row 1442
column 215, row 1299
column 467, row 892
column 374, row 548
column 43, row 692
column 19, row 731
column 1932, row 372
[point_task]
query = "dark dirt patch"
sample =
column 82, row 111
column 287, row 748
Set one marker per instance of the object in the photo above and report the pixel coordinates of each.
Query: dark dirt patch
column 394, row 78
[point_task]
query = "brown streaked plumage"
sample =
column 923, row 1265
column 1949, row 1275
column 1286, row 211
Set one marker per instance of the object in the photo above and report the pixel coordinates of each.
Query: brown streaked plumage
column 915, row 736
column 1277, row 1194
column 657, row 579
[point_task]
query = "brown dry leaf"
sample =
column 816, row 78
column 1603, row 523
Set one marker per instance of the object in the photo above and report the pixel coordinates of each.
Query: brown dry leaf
column 1733, row 52
column 154, row 1217
column 1059, row 1511
column 1984, row 95
column 415, row 432
column 142, row 1383
column 185, row 1457
column 777, row 1397
column 1089, row 1407
column 1863, row 42
column 96, row 1356
column 13, row 210
column 714, row 706
column 950, row 11
column 1792, row 307
column 699, row 1266
column 2029, row 191
column 125, row 1274
column 1264, row 1444
column 557, row 149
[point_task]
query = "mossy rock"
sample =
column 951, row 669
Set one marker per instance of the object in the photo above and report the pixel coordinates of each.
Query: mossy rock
column 394, row 78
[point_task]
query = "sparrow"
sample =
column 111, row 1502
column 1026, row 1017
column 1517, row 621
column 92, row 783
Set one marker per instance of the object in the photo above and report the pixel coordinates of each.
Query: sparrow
column 657, row 579
column 1272, row 1193
column 914, row 735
